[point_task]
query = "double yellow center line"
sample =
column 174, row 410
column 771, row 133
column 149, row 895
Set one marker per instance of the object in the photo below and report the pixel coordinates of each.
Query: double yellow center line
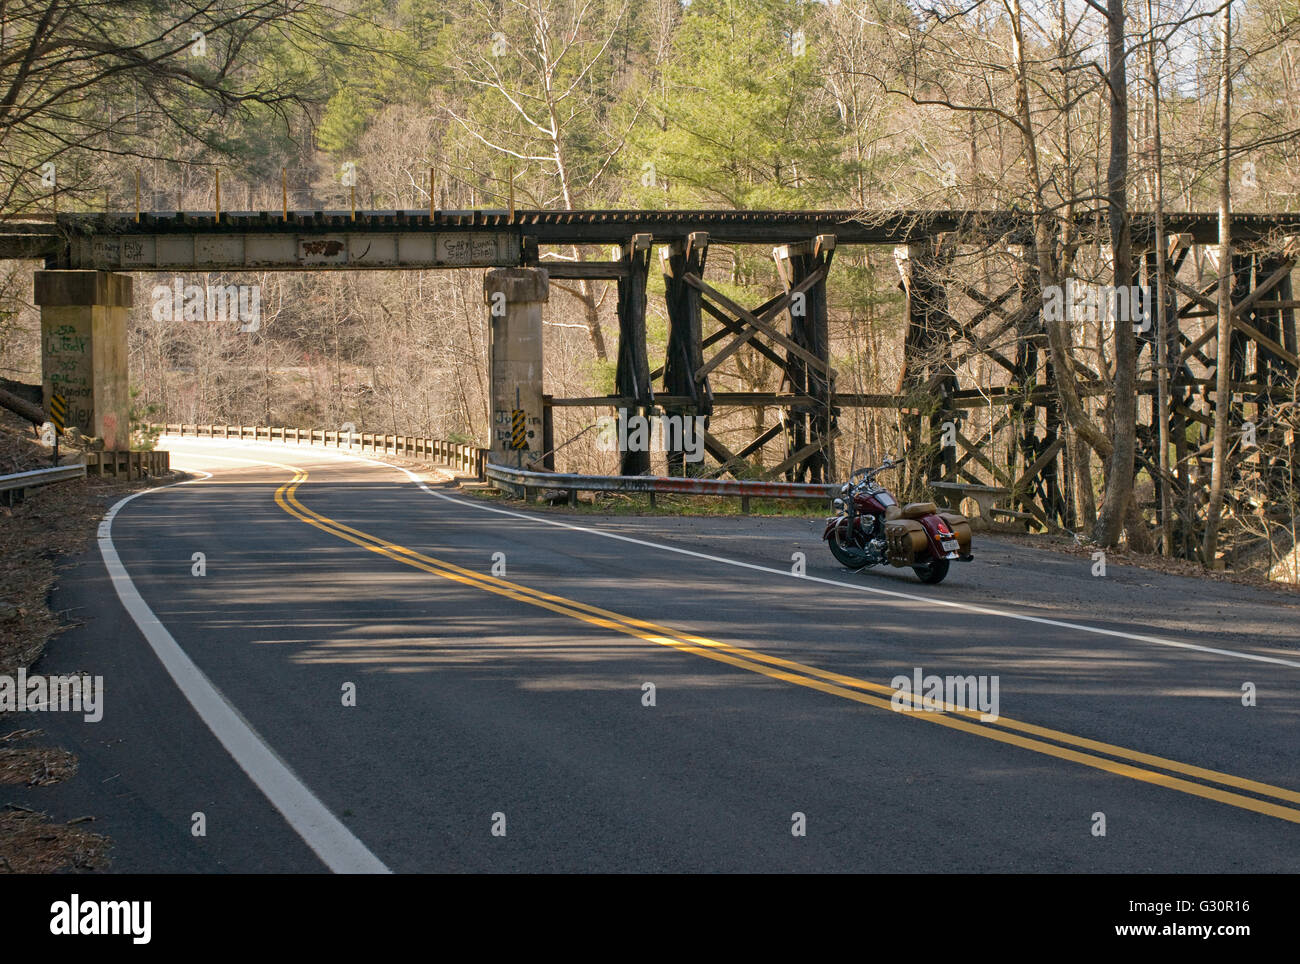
column 1118, row 760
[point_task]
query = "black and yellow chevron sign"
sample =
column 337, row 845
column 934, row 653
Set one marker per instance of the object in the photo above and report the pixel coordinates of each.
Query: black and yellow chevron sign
column 518, row 433
column 58, row 411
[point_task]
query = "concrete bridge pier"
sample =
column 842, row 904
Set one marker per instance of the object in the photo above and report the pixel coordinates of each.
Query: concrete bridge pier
column 83, row 349
column 514, row 297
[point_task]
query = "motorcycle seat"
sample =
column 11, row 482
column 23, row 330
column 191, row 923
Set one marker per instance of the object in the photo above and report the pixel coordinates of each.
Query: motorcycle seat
column 893, row 512
column 916, row 510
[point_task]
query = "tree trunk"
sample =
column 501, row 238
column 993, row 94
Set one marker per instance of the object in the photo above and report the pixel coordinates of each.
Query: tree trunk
column 1085, row 501
column 1119, row 475
column 1162, row 323
column 20, row 406
column 591, row 313
column 1223, row 370
column 1044, row 248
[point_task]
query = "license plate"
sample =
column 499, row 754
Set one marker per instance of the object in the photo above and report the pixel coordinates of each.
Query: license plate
column 949, row 545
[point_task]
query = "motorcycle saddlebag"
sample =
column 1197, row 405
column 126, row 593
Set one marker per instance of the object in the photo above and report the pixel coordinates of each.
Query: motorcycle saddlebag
column 905, row 539
column 960, row 527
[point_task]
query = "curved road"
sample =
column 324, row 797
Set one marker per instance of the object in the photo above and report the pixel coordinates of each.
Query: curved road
column 500, row 661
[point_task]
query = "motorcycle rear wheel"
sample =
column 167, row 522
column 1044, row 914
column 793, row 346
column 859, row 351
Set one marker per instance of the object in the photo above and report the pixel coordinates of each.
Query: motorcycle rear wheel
column 933, row 572
column 851, row 556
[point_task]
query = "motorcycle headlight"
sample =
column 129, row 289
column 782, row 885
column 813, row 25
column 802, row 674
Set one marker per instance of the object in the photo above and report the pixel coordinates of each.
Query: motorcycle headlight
column 838, row 505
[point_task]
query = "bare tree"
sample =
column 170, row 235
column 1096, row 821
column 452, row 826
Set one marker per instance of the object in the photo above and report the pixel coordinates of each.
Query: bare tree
column 543, row 108
column 81, row 79
column 946, row 58
column 1119, row 475
column 1161, row 299
column 1223, row 379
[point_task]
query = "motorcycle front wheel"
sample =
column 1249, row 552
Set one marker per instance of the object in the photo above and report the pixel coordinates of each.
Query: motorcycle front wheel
column 848, row 554
column 931, row 573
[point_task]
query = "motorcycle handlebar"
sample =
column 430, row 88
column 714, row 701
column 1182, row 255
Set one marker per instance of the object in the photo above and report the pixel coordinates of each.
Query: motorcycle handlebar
column 889, row 463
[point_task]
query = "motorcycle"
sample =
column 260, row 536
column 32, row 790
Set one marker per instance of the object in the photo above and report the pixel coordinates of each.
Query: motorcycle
column 871, row 528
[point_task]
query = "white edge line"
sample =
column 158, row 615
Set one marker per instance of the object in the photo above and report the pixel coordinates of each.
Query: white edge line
column 324, row 833
column 895, row 594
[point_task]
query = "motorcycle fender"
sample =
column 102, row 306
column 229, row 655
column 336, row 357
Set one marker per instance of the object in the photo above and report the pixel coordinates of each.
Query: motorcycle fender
column 960, row 527
column 930, row 524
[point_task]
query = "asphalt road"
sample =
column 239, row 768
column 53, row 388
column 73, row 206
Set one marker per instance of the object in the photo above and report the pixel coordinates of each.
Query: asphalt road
column 514, row 701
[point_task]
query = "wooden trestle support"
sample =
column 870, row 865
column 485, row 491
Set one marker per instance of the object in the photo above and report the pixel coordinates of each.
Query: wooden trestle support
column 1021, row 441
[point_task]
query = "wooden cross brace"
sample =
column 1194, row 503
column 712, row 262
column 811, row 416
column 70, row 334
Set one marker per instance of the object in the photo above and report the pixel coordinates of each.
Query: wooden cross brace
column 759, row 323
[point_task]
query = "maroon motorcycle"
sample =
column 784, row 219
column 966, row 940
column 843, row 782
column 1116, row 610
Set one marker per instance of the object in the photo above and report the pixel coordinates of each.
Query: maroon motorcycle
column 871, row 528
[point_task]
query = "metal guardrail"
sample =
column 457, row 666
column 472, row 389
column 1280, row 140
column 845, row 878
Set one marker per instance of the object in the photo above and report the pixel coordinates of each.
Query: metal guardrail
column 744, row 489
column 473, row 460
column 465, row 458
column 13, row 486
